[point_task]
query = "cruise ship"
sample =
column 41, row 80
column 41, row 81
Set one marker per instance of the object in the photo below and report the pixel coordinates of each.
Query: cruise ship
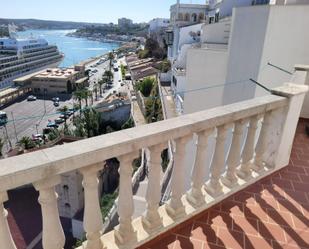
column 19, row 57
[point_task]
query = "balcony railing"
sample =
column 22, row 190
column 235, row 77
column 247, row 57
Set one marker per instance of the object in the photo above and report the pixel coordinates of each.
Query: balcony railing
column 264, row 127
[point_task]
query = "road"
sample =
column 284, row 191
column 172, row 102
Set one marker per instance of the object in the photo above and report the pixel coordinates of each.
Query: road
column 30, row 118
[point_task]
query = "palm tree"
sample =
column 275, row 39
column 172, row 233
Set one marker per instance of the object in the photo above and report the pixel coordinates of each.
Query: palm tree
column 64, row 110
column 26, row 143
column 110, row 57
column 1, row 147
column 101, row 83
column 95, row 90
column 108, row 74
column 79, row 95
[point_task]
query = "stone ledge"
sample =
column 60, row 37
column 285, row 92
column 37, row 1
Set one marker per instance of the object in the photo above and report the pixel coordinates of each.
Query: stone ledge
column 24, row 169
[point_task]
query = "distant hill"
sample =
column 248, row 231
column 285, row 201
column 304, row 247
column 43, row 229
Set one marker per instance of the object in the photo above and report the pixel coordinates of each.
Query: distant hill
column 24, row 24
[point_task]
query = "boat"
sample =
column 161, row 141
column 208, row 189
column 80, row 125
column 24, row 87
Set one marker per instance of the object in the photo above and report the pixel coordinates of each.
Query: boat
column 19, row 57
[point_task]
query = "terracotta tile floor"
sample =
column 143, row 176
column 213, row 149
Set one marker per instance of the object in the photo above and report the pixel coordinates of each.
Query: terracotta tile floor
column 273, row 213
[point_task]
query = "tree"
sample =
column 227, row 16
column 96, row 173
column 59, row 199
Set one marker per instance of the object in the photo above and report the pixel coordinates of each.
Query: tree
column 146, row 86
column 95, row 90
column 88, row 125
column 101, row 83
column 26, row 143
column 111, row 57
column 79, row 95
column 1, row 147
column 64, row 110
column 109, row 75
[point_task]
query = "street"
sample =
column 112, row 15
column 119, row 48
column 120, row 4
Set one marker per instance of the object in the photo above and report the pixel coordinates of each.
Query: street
column 27, row 118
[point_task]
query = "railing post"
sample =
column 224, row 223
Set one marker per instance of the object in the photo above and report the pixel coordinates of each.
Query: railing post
column 261, row 145
column 6, row 239
column 214, row 187
column 152, row 219
column 175, row 207
column 125, row 233
column 233, row 160
column 53, row 235
column 93, row 221
column 296, row 94
column 195, row 196
column 244, row 170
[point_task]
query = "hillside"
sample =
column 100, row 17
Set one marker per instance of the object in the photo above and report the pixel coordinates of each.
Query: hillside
column 23, row 24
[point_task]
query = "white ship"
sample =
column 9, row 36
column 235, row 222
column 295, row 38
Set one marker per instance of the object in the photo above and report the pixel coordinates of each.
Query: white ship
column 19, row 57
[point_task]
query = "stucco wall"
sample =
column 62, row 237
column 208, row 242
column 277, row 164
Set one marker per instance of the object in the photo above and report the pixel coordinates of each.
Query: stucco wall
column 216, row 32
column 205, row 67
column 286, row 44
column 245, row 51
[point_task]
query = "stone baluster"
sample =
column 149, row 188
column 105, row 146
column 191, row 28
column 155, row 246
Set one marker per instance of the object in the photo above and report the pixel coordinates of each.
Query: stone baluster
column 175, row 207
column 152, row 220
column 214, row 187
column 260, row 148
column 195, row 196
column 125, row 233
column 233, row 160
column 6, row 240
column 53, row 235
column 93, row 222
column 244, row 171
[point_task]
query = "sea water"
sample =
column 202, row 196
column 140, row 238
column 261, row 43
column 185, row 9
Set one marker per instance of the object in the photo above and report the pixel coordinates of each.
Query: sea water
column 74, row 49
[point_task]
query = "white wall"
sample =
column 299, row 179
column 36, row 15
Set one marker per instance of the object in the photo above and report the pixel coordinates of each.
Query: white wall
column 263, row 34
column 286, row 43
column 181, row 84
column 205, row 67
column 184, row 34
column 245, row 51
column 216, row 32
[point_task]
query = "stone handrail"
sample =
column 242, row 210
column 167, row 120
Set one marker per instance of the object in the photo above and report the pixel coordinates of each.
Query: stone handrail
column 267, row 124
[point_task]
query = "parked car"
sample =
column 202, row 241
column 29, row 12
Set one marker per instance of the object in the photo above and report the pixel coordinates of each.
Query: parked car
column 55, row 99
column 56, row 104
column 59, row 121
column 31, row 98
column 52, row 125
column 37, row 137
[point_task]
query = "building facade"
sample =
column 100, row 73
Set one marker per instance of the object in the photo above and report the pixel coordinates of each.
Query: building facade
column 124, row 23
column 55, row 80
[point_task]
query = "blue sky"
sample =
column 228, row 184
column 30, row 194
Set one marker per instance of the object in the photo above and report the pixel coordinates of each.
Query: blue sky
column 101, row 11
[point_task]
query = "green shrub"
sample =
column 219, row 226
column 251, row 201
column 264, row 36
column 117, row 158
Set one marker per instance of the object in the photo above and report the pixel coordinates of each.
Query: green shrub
column 146, row 86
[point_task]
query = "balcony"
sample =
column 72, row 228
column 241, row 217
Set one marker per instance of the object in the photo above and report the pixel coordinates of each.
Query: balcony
column 264, row 127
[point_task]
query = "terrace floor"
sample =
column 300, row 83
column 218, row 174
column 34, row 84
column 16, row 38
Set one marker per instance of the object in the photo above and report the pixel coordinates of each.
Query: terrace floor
column 272, row 213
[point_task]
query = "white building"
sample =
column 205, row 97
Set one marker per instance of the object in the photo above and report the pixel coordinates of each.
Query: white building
column 124, row 23
column 186, row 31
column 259, row 35
column 157, row 24
column 218, row 70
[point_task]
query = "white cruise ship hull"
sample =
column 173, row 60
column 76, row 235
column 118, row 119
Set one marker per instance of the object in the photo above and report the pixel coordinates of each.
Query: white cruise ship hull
column 10, row 80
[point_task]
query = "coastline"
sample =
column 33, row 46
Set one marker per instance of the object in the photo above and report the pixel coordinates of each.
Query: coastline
column 98, row 39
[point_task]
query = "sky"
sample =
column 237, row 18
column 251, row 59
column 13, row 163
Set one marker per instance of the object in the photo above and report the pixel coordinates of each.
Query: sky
column 99, row 11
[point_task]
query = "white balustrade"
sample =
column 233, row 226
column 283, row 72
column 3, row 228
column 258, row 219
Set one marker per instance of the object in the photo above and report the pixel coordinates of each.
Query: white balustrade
column 125, row 233
column 152, row 220
column 175, row 207
column 43, row 168
column 260, row 148
column 53, row 235
column 234, row 156
column 244, row 170
column 214, row 187
column 195, row 196
column 6, row 240
column 93, row 222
